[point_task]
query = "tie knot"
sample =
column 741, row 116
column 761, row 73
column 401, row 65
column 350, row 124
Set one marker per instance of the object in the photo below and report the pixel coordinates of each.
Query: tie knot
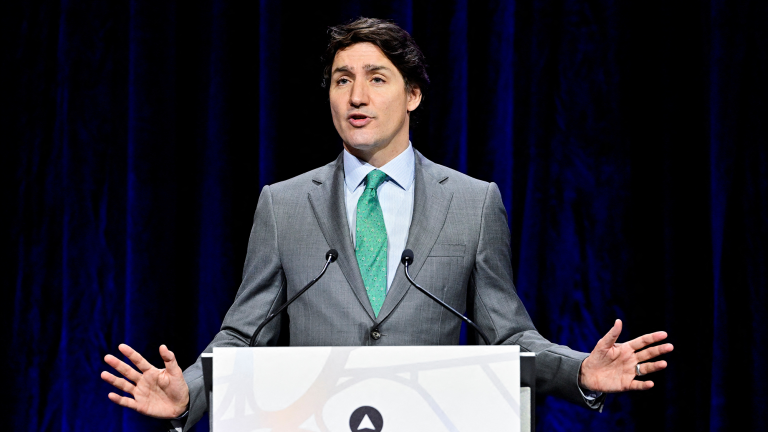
column 374, row 179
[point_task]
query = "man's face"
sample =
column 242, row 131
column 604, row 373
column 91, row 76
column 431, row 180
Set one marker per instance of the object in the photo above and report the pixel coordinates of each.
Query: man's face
column 369, row 101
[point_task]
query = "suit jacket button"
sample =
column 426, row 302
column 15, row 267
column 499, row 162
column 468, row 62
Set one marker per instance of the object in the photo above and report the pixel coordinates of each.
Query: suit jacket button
column 375, row 335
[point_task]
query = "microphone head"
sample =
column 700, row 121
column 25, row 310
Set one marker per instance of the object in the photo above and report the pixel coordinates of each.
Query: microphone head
column 331, row 255
column 407, row 257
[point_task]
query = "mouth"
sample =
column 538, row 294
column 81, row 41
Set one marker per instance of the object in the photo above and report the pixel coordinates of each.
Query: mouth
column 358, row 119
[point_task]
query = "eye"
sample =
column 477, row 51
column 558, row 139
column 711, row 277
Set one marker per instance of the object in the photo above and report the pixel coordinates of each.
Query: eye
column 342, row 81
column 378, row 80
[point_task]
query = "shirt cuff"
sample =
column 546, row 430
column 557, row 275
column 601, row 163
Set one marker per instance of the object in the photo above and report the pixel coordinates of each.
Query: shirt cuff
column 589, row 394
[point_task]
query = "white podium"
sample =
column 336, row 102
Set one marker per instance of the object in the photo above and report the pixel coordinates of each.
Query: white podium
column 366, row 389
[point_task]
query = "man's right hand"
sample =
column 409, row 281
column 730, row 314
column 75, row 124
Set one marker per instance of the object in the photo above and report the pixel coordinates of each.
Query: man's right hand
column 159, row 393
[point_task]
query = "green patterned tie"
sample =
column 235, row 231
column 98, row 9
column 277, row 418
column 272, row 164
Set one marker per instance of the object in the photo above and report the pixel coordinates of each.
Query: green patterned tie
column 371, row 241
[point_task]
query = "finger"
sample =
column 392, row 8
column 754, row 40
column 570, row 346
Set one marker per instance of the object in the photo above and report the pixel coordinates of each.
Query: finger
column 645, row 340
column 610, row 338
column 135, row 358
column 123, row 368
column 652, row 352
column 118, row 382
column 122, row 401
column 646, row 368
column 170, row 360
column 641, row 385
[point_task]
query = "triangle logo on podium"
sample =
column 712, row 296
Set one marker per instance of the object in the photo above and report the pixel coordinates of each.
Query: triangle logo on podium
column 366, row 423
column 366, row 418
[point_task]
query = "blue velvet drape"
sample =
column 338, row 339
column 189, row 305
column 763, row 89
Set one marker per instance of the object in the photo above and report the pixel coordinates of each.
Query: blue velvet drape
column 629, row 141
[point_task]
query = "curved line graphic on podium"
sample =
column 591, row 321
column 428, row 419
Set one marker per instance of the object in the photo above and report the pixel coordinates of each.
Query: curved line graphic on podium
column 237, row 408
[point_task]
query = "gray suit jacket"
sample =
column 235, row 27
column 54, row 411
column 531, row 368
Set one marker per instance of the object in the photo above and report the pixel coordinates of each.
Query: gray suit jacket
column 461, row 242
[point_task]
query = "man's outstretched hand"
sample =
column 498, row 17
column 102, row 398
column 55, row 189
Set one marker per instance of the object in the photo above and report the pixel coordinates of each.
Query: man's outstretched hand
column 610, row 368
column 160, row 393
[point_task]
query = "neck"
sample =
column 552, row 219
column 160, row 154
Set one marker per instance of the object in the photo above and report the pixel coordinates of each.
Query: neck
column 377, row 157
column 380, row 155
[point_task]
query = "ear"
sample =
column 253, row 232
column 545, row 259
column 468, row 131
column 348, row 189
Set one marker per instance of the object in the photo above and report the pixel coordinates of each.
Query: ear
column 414, row 97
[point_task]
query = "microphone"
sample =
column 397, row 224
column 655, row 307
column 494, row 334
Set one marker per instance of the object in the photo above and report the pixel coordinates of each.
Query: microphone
column 330, row 257
column 407, row 259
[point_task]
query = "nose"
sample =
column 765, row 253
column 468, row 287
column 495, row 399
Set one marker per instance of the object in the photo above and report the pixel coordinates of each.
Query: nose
column 359, row 95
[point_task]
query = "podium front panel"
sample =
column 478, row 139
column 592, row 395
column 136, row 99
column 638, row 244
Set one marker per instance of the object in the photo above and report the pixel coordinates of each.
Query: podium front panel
column 342, row 389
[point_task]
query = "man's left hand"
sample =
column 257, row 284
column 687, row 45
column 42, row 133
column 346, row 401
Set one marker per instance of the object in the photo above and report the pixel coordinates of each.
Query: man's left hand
column 611, row 367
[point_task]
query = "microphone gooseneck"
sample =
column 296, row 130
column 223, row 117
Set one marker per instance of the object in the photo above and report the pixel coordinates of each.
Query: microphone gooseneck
column 330, row 257
column 407, row 259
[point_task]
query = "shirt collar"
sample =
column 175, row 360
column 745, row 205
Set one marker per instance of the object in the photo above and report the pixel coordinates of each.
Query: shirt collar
column 400, row 169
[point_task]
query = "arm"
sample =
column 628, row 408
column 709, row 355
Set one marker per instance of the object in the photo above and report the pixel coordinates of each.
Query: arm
column 611, row 367
column 262, row 289
column 166, row 393
column 499, row 311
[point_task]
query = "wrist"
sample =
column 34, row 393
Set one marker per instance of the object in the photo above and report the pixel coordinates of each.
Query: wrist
column 584, row 375
column 183, row 408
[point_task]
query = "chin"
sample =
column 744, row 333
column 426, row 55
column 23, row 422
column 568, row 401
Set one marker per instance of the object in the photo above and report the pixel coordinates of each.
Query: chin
column 362, row 143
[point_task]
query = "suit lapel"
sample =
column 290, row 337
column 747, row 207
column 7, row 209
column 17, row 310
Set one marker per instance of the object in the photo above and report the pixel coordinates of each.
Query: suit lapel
column 328, row 204
column 430, row 208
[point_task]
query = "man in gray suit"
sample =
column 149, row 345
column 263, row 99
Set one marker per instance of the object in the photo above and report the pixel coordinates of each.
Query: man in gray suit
column 376, row 199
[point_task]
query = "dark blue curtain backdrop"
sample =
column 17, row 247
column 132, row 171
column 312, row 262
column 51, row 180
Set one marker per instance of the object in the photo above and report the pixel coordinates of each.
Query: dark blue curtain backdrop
column 628, row 138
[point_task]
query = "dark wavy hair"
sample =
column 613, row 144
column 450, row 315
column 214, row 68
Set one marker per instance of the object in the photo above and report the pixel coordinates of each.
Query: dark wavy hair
column 394, row 42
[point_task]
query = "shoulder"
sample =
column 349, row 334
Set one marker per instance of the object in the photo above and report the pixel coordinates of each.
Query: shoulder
column 452, row 180
column 302, row 184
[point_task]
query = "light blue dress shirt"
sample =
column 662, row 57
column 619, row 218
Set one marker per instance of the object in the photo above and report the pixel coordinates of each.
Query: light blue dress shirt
column 395, row 198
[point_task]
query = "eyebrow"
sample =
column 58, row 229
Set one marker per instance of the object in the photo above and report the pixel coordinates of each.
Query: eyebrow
column 373, row 68
column 367, row 68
